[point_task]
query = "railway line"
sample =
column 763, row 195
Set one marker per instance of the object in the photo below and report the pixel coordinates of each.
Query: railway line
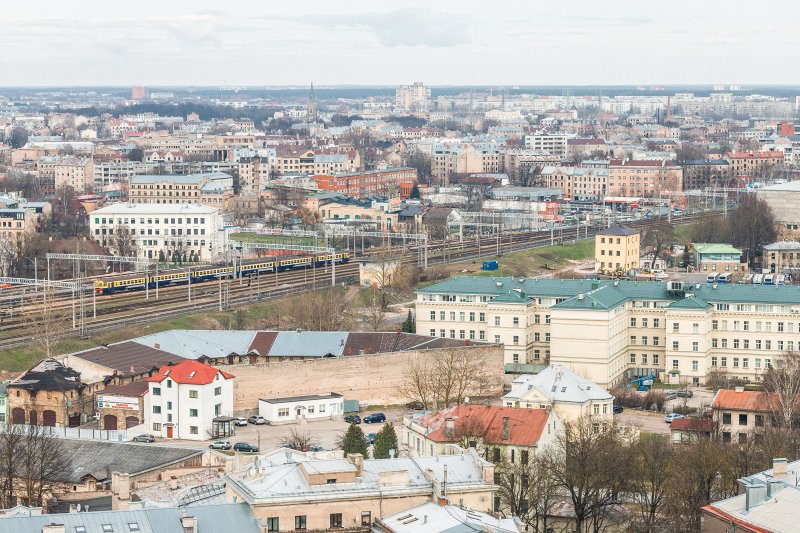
column 126, row 308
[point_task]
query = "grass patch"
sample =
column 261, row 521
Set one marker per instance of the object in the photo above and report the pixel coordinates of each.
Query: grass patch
column 273, row 239
column 536, row 260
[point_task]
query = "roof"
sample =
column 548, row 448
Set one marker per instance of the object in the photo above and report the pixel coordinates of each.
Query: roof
column 692, row 424
column 559, row 385
column 742, row 400
column 779, row 514
column 715, row 248
column 99, row 458
column 189, row 373
column 308, row 397
column 144, row 209
column 434, row 518
column 223, row 517
column 525, row 425
column 128, row 357
column 789, row 186
column 620, row 231
column 782, row 245
column 692, row 302
column 194, row 344
column 309, row 343
column 48, row 375
column 134, row 388
column 189, row 179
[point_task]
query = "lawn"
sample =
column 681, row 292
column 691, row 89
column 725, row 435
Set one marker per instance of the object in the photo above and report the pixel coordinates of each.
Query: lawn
column 539, row 260
column 274, row 239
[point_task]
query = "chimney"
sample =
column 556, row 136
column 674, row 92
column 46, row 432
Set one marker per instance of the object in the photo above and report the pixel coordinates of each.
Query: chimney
column 121, row 485
column 358, row 461
column 54, row 528
column 755, row 496
column 506, row 428
column 779, row 468
column 157, row 346
column 450, row 428
column 189, row 524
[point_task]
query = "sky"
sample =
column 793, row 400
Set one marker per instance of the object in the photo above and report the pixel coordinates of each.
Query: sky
column 358, row 42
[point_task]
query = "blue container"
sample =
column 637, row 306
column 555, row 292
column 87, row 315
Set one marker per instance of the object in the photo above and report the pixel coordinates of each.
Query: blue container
column 490, row 265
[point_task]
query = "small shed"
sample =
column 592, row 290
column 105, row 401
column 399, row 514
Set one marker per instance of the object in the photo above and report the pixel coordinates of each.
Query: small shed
column 298, row 408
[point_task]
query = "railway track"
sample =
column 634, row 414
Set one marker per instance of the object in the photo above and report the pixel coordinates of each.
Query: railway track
column 124, row 309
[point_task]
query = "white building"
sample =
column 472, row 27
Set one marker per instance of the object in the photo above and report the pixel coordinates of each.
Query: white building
column 555, row 144
column 166, row 228
column 184, row 399
column 296, row 408
column 415, row 97
column 557, row 387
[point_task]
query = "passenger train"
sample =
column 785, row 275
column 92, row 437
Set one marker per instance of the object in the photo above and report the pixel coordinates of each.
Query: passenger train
column 135, row 281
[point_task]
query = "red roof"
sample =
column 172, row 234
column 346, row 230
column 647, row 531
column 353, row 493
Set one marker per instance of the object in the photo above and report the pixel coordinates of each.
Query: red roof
column 641, row 163
column 727, row 517
column 692, row 424
column 525, row 425
column 744, row 400
column 189, row 373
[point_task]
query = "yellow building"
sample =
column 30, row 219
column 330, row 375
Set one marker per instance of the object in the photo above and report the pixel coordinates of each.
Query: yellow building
column 616, row 250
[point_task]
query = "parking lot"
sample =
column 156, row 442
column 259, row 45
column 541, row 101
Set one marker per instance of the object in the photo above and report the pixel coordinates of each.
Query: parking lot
column 326, row 433
column 652, row 422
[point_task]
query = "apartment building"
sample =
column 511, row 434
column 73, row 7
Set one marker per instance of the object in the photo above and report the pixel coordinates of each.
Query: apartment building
column 414, row 97
column 212, row 189
column 162, row 228
column 463, row 158
column 741, row 415
column 184, row 399
column 643, row 178
column 289, row 160
column 550, row 143
column 74, row 172
column 387, row 182
column 518, row 162
column 751, row 163
column 253, row 172
column 783, row 199
column 342, row 209
column 607, row 331
column 578, row 183
column 783, row 256
column 616, row 250
column 706, row 173
column 110, row 173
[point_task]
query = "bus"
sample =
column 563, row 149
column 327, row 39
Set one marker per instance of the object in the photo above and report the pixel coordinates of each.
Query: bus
column 769, row 279
column 758, row 279
column 780, row 279
column 725, row 278
column 712, row 278
column 748, row 278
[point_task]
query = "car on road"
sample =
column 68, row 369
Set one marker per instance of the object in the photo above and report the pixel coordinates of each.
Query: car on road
column 144, row 438
column 220, row 445
column 371, row 438
column 375, row 418
column 672, row 416
column 245, row 447
column 685, row 393
column 257, row 420
column 240, row 421
column 352, row 419
column 415, row 405
column 617, row 409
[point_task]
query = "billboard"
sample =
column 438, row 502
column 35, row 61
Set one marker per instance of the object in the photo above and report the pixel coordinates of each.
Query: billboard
column 125, row 403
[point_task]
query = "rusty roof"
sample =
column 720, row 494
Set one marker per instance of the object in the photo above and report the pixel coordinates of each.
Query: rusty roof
column 742, row 400
column 525, row 425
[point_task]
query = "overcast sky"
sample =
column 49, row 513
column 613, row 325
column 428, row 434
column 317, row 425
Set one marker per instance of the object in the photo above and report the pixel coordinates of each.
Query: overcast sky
column 278, row 42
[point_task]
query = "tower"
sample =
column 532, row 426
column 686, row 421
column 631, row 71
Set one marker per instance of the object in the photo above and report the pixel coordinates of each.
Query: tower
column 311, row 107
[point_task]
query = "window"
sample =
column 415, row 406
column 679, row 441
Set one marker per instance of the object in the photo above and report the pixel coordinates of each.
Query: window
column 759, row 420
column 742, row 419
column 169, row 406
column 735, row 362
column 644, row 341
column 695, row 346
column 496, row 455
column 633, row 340
column 655, row 341
column 156, row 426
column 497, row 321
column 694, row 366
column 516, row 321
column 723, row 361
column 433, row 315
column 156, row 391
column 675, row 345
column 273, row 524
column 655, row 359
column 433, row 332
column 714, row 343
column 366, row 518
column 675, row 364
column 695, row 328
column 726, row 418
column 156, row 409
column 133, row 526
column 724, row 343
column 675, row 327
column 169, row 382
column 108, row 528
column 283, row 411
column 193, row 413
column 193, row 394
column 714, row 361
column 644, row 322
column 633, row 358
column 780, row 327
column 644, row 358
column 714, row 325
column 193, row 430
column 300, row 521
column 633, row 322
column 656, row 322
column 516, row 339
column 336, row 520
column 523, row 457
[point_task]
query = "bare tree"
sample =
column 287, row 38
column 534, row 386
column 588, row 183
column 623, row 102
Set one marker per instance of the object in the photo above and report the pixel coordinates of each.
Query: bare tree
column 651, row 458
column 123, row 241
column 298, row 440
column 783, row 380
column 376, row 313
column 323, row 310
column 51, row 322
column 529, row 491
column 11, row 440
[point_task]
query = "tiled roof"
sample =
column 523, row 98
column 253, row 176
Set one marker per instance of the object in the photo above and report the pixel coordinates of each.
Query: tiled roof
column 743, row 400
column 189, row 373
column 692, row 424
column 525, row 425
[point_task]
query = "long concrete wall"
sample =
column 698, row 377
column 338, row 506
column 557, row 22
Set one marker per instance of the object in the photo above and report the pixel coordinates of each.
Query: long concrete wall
column 372, row 379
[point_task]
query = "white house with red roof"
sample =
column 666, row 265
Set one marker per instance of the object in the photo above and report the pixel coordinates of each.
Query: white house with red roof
column 185, row 398
column 496, row 432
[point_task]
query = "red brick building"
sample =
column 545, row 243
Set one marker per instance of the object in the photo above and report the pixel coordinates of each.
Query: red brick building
column 387, row 182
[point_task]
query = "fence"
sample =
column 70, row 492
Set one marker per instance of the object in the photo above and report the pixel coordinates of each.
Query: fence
column 120, row 435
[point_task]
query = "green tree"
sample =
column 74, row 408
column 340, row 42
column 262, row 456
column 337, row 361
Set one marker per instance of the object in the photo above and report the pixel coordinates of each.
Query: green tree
column 18, row 138
column 385, row 440
column 354, row 441
column 408, row 324
column 414, row 192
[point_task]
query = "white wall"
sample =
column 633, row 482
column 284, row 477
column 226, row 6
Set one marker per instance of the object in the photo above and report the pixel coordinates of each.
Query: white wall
column 317, row 409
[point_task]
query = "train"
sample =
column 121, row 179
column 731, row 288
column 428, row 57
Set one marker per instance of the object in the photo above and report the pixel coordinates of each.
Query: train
column 136, row 281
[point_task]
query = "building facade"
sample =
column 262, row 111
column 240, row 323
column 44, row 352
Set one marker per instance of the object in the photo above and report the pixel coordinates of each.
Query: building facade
column 643, row 178
column 576, row 182
column 616, row 250
column 718, row 257
column 201, row 189
column 781, row 257
column 387, row 182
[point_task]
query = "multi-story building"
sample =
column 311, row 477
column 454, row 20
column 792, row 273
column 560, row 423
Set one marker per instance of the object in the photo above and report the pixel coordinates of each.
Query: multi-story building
column 586, row 148
column 608, row 331
column 717, row 257
column 741, row 415
column 109, row 173
column 212, row 189
column 751, row 163
column 517, row 163
column 289, row 160
column 463, row 158
column 162, row 228
column 550, row 143
column 643, row 178
column 253, row 172
column 578, row 183
column 782, row 257
column 184, row 399
column 74, row 172
column 706, row 173
column 343, row 209
column 783, row 199
column 568, row 394
column 414, row 97
column 388, row 182
column 616, row 250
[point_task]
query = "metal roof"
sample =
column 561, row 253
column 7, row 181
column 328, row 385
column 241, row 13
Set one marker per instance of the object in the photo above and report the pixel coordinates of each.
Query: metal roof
column 193, row 344
column 179, row 178
column 558, row 384
column 715, row 248
column 308, row 344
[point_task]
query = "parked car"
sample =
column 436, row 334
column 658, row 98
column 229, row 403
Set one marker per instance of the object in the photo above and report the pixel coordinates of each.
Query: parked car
column 257, row 420
column 352, row 419
column 220, row 445
column 415, row 405
column 375, row 418
column 671, row 395
column 617, row 409
column 245, row 447
column 144, row 438
column 371, row 438
column 240, row 421
column 672, row 416
column 685, row 393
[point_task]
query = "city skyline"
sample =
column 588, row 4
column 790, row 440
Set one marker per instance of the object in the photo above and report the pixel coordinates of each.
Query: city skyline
column 341, row 44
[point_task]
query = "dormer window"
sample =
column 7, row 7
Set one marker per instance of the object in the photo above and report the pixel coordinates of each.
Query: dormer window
column 192, row 374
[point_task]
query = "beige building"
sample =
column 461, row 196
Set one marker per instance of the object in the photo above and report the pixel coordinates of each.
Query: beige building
column 643, row 178
column 576, row 182
column 414, row 97
column 213, row 189
column 342, row 210
column 293, row 491
column 783, row 199
column 463, row 158
column 780, row 257
column 741, row 415
column 77, row 173
column 616, row 250
column 610, row 331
